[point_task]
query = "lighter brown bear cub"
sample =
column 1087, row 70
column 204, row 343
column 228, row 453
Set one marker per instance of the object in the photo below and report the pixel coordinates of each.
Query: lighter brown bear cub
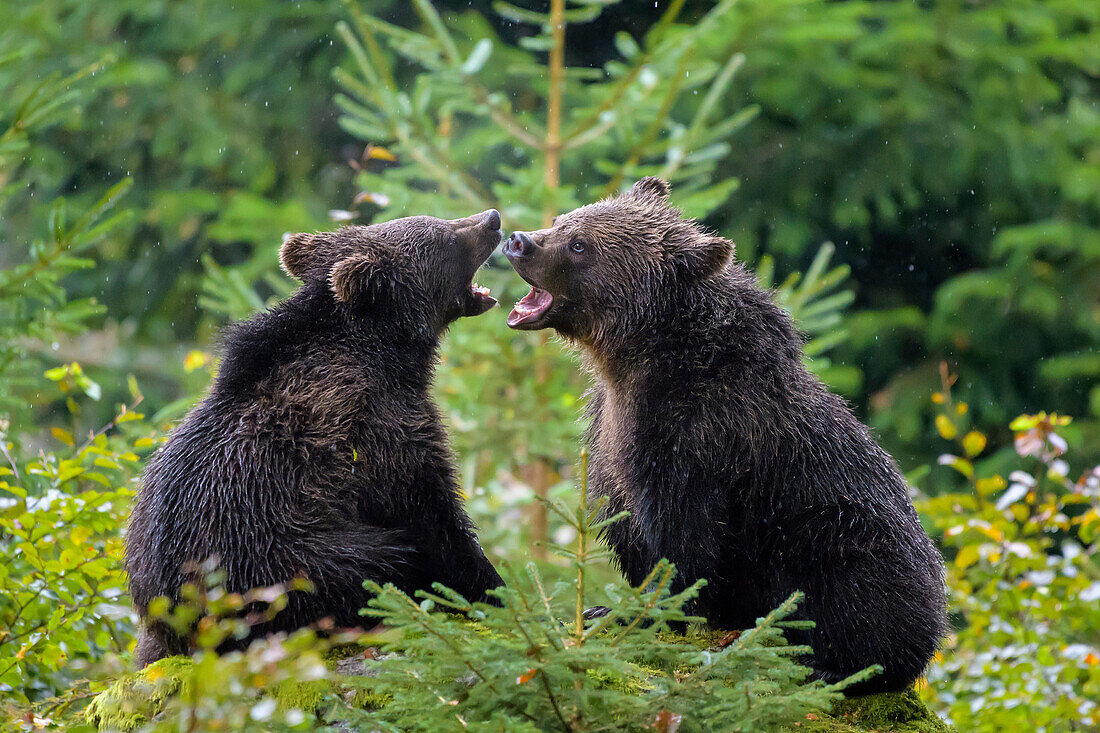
column 733, row 460
column 318, row 452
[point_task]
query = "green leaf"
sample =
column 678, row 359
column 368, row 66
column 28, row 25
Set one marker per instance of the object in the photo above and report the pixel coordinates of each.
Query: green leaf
column 482, row 50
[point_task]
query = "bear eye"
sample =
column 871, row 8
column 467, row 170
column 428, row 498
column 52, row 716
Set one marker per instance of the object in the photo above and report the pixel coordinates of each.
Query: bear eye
column 577, row 246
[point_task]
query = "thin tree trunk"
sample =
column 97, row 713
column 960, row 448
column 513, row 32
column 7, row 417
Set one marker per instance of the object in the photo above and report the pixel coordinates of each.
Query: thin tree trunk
column 539, row 473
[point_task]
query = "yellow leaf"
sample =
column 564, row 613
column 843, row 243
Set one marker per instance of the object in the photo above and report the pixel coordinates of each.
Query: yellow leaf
column 143, row 442
column 938, row 398
column 1024, row 422
column 991, row 485
column 973, row 443
column 946, row 428
column 967, row 556
column 991, row 532
column 80, row 534
column 195, row 359
column 961, row 408
column 63, row 435
column 376, row 152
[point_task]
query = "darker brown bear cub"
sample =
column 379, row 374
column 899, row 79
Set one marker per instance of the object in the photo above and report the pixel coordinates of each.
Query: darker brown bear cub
column 318, row 452
column 733, row 460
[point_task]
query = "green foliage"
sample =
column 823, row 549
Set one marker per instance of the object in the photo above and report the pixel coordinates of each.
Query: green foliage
column 1024, row 569
column 217, row 110
column 950, row 150
column 279, row 684
column 283, row 682
column 525, row 667
column 63, row 498
column 62, row 589
column 34, row 307
column 483, row 120
column 533, row 664
column 818, row 311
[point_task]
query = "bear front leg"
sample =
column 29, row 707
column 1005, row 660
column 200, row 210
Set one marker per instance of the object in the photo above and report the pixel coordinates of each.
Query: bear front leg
column 456, row 560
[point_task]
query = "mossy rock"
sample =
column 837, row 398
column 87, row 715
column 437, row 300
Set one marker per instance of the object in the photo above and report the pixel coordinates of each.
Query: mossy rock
column 889, row 712
column 138, row 697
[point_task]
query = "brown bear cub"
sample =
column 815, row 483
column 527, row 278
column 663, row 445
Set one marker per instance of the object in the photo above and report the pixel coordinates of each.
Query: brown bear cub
column 733, row 460
column 318, row 452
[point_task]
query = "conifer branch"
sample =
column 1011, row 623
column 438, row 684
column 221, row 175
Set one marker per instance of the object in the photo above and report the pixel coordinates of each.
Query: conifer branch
column 652, row 130
column 613, row 99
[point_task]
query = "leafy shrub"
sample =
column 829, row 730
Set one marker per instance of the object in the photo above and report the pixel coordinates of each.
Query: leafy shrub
column 63, row 602
column 1024, row 572
column 64, row 491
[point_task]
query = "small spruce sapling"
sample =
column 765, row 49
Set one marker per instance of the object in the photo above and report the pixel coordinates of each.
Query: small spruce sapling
column 533, row 664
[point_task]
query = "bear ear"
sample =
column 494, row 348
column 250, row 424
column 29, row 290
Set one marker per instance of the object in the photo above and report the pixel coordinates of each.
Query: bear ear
column 651, row 186
column 365, row 278
column 707, row 257
column 296, row 255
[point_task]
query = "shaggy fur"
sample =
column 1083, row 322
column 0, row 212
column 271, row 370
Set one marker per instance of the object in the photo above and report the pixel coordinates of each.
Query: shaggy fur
column 733, row 460
column 318, row 452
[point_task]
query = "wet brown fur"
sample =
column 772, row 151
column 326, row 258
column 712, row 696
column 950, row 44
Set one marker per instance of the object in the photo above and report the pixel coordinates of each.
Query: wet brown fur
column 733, row 460
column 318, row 452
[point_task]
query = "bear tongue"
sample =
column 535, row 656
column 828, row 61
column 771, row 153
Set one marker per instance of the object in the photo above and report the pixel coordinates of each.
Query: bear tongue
column 531, row 307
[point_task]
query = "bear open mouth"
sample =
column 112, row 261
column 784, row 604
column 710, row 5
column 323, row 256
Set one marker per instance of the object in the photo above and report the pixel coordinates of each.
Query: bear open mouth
column 478, row 300
column 530, row 308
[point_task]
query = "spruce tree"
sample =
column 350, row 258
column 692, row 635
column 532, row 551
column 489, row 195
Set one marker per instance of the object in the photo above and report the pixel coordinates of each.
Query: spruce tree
column 458, row 120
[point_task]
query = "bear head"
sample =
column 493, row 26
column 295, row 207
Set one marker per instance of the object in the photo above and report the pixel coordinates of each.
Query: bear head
column 612, row 265
column 418, row 268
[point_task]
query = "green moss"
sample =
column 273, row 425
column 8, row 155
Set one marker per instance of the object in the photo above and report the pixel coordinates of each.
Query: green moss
column 698, row 636
column 340, row 652
column 306, row 696
column 890, row 712
column 634, row 684
column 135, row 698
column 364, row 698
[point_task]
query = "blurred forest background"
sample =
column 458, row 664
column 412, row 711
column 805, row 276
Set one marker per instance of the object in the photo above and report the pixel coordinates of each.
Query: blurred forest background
column 920, row 182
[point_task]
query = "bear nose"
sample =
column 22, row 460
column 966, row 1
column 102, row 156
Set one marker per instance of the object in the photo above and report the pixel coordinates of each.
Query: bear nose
column 519, row 244
column 492, row 219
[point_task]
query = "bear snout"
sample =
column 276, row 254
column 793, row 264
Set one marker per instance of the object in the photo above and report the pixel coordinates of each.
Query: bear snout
column 492, row 219
column 519, row 244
